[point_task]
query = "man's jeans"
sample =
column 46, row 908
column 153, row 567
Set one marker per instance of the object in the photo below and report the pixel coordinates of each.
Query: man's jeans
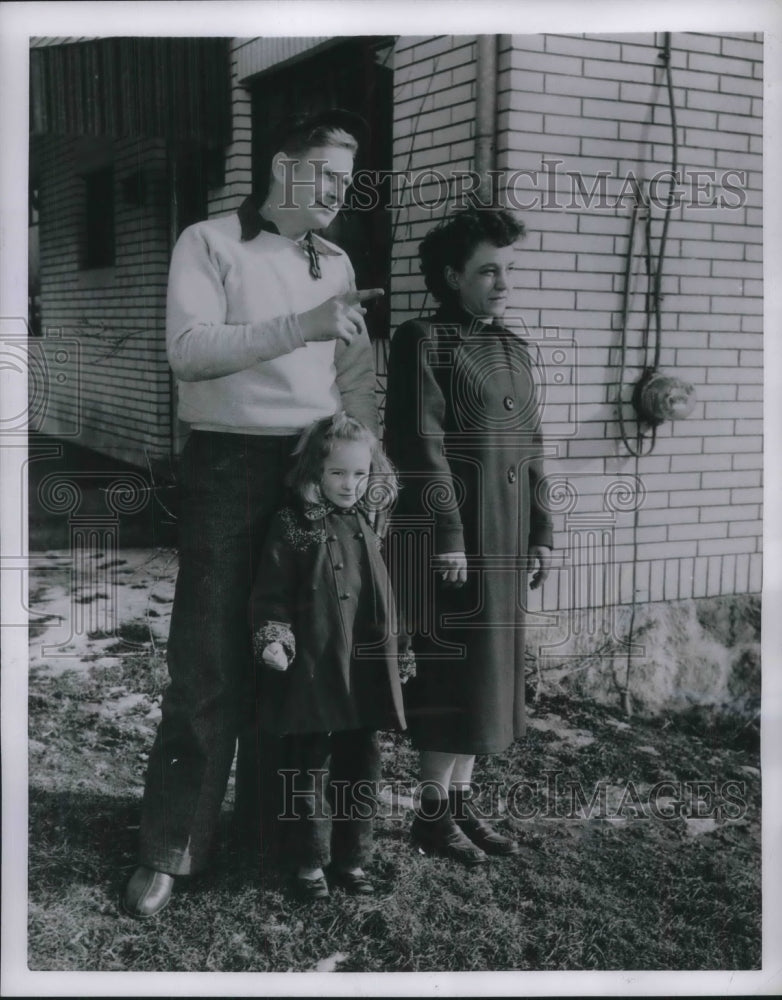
column 230, row 486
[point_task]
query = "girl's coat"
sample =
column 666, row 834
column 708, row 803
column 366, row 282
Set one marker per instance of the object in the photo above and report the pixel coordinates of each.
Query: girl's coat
column 323, row 592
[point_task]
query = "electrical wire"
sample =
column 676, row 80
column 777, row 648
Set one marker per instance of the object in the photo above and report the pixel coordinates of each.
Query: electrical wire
column 644, row 442
column 653, row 306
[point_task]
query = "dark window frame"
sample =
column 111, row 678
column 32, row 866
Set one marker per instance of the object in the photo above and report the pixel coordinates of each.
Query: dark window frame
column 98, row 245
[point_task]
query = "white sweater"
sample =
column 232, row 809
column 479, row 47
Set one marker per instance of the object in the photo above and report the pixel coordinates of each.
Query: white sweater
column 233, row 337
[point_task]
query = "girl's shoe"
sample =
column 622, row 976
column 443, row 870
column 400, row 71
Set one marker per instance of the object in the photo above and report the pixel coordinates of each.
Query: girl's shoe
column 442, row 836
column 356, row 883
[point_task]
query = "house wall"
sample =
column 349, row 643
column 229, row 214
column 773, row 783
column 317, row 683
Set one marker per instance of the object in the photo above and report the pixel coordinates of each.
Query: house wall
column 103, row 329
column 574, row 106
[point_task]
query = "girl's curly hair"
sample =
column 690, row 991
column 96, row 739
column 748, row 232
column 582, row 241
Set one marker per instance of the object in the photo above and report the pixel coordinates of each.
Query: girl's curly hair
column 453, row 241
column 314, row 447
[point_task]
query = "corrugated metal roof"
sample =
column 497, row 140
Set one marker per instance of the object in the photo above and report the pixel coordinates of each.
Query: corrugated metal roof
column 260, row 54
column 178, row 88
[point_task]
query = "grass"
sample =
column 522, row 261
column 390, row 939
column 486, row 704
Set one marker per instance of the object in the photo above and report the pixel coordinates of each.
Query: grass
column 647, row 893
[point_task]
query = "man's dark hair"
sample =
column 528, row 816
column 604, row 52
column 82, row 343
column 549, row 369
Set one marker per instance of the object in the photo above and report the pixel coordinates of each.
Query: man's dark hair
column 453, row 241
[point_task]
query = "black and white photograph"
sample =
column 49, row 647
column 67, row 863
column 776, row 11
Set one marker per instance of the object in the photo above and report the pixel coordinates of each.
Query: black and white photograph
column 388, row 605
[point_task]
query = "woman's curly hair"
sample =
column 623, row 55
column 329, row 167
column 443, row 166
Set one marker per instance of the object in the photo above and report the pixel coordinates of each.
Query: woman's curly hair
column 453, row 241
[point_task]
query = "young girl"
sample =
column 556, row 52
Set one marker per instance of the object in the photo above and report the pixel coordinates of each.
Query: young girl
column 324, row 625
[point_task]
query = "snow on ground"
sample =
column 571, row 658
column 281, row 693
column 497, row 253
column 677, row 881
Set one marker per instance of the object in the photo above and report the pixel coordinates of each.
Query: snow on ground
column 82, row 609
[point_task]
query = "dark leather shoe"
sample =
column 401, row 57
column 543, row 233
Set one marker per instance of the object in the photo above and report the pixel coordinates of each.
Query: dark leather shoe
column 486, row 837
column 147, row 893
column 310, row 889
column 352, row 882
column 444, row 837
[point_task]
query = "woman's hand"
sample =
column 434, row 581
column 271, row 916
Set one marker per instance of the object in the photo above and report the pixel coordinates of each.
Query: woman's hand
column 542, row 553
column 275, row 656
column 452, row 567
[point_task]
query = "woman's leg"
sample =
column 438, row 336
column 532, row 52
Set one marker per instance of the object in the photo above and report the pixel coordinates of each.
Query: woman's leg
column 436, row 771
column 434, row 828
column 467, row 817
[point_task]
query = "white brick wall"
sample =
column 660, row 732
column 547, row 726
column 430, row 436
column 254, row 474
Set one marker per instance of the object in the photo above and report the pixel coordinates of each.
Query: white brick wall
column 600, row 105
column 115, row 316
column 238, row 156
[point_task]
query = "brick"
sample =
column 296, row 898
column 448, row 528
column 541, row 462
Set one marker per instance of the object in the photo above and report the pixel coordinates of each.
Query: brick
column 728, row 581
column 696, row 463
column 755, row 573
column 734, row 104
column 722, row 546
column 748, row 375
column 525, row 121
column 744, row 529
column 701, row 498
column 723, row 65
column 742, row 573
column 582, row 126
column 737, row 512
column 528, row 43
column 668, row 550
column 693, row 532
column 600, row 108
column 750, row 427
column 724, row 479
column 584, row 86
column 747, row 446
column 560, row 104
column 580, row 46
column 548, row 62
column 737, row 269
column 699, row 577
column 739, row 123
column 750, row 392
column 714, row 574
column 743, row 48
column 739, row 85
column 749, row 410
column 524, row 81
column 743, row 496
column 656, row 580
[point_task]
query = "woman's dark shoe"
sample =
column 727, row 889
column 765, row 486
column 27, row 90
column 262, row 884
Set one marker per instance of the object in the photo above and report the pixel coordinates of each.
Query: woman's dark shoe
column 442, row 836
column 477, row 829
column 356, row 883
column 147, row 893
column 310, row 889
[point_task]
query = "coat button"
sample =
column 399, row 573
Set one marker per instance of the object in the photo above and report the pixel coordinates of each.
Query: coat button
column 344, row 597
column 511, row 475
column 339, row 565
column 331, row 538
column 508, row 402
column 358, row 535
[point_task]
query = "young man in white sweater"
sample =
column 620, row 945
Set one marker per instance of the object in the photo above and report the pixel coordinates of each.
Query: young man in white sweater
column 265, row 334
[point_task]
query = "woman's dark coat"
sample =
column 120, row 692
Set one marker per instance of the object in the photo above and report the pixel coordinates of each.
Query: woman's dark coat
column 323, row 591
column 462, row 425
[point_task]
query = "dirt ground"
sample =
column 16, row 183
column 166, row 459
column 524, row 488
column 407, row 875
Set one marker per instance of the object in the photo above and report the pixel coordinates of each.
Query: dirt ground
column 640, row 837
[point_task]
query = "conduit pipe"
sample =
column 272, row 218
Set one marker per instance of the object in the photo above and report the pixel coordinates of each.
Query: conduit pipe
column 486, row 81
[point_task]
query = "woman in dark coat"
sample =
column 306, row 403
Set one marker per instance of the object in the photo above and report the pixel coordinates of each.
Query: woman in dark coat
column 462, row 425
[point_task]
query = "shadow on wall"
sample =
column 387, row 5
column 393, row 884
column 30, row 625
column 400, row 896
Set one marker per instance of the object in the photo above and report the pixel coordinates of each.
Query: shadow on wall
column 70, row 486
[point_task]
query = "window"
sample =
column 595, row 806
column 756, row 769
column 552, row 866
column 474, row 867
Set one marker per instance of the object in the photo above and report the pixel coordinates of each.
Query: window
column 98, row 242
